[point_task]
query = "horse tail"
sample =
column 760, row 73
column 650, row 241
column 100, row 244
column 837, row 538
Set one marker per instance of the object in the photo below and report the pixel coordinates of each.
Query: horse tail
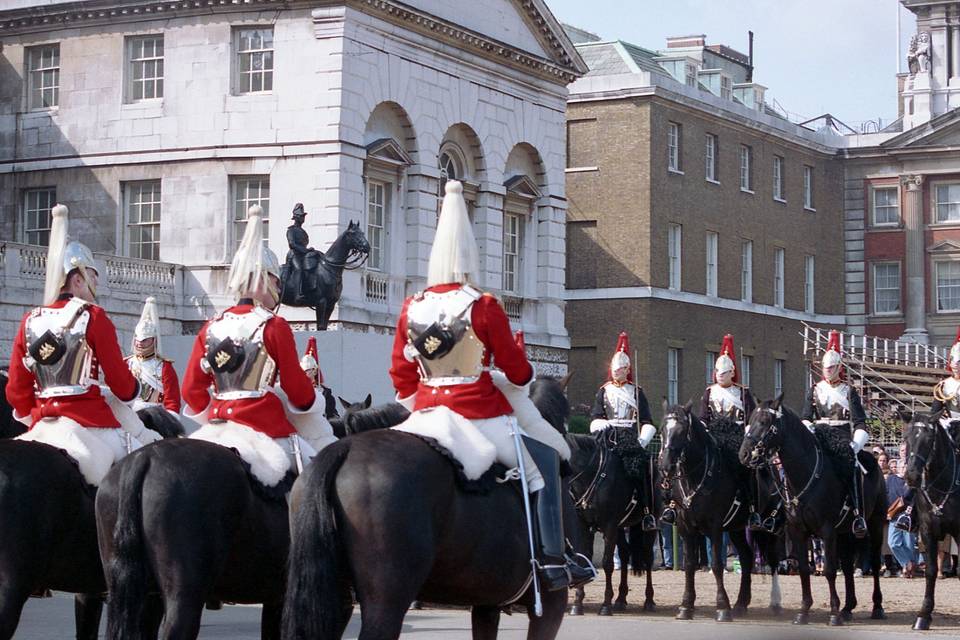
column 640, row 549
column 127, row 572
column 314, row 606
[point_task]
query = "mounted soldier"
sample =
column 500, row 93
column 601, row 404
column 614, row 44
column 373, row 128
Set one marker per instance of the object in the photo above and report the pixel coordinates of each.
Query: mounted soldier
column 310, row 363
column 620, row 402
column 446, row 340
column 240, row 354
column 159, row 385
column 833, row 403
column 946, row 399
column 301, row 258
column 725, row 398
column 68, row 381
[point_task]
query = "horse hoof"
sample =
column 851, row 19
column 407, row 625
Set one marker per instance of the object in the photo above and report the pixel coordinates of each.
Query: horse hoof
column 802, row 618
column 619, row 607
column 416, row 605
column 724, row 615
column 739, row 611
column 836, row 621
column 922, row 624
column 576, row 610
column 846, row 615
column 878, row 614
column 649, row 605
column 685, row 614
column 777, row 610
column 605, row 610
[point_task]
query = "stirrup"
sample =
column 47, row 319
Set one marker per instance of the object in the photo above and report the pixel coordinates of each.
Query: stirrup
column 904, row 523
column 580, row 574
column 669, row 516
column 648, row 523
column 754, row 523
column 769, row 525
column 859, row 527
column 554, row 577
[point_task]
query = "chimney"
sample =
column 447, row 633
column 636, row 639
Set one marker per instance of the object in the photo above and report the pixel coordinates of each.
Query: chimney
column 750, row 57
column 677, row 42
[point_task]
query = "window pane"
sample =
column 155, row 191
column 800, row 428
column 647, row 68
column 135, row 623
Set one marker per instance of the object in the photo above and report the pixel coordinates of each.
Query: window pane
column 249, row 191
column 948, row 203
column 948, row 286
column 36, row 219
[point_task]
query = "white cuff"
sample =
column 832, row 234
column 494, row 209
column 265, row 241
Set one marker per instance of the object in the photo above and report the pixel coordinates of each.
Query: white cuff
column 25, row 420
column 860, row 438
column 503, row 383
column 409, row 402
column 647, row 432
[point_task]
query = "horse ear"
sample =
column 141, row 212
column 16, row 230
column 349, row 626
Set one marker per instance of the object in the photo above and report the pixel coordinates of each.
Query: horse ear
column 346, row 405
column 689, row 406
column 368, row 401
column 666, row 407
column 565, row 380
column 775, row 405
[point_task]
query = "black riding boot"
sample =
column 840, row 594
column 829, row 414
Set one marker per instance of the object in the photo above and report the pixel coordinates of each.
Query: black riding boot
column 648, row 522
column 557, row 570
column 754, row 522
column 859, row 522
column 905, row 521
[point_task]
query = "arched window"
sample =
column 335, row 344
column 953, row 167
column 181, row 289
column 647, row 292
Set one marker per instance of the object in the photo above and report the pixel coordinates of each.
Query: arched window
column 451, row 168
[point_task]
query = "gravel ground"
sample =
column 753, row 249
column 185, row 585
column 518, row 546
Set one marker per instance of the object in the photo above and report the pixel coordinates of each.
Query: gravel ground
column 901, row 599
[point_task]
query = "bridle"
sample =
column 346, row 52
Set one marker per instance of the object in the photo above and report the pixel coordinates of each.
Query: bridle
column 687, row 495
column 924, row 461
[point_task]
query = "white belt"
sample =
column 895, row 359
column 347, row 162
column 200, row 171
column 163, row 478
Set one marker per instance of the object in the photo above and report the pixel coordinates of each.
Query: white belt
column 834, row 423
column 61, row 391
column 238, row 395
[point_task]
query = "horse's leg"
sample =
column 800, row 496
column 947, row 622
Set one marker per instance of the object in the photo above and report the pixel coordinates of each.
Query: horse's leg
column 270, row 620
column 800, row 542
column 12, row 599
column 181, row 616
column 485, row 622
column 745, row 552
column 847, row 552
column 624, row 552
column 585, row 546
column 876, row 549
column 609, row 543
column 87, row 609
column 716, row 563
column 152, row 616
column 691, row 562
column 546, row 626
column 383, row 620
column 830, row 572
column 926, row 608
column 649, row 540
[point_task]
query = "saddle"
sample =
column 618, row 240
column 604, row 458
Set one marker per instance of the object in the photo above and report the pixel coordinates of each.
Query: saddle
column 267, row 465
column 483, row 485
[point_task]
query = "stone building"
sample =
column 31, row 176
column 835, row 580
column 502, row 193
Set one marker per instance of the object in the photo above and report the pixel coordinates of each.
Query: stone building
column 159, row 123
column 695, row 211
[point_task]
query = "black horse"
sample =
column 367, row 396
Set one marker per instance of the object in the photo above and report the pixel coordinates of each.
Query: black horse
column 608, row 501
column 322, row 276
column 49, row 532
column 933, row 471
column 9, row 428
column 816, row 488
column 381, row 512
column 359, row 416
column 709, row 487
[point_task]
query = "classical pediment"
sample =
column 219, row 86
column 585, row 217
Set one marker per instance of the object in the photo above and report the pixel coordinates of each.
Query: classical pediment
column 522, row 186
column 945, row 246
column 942, row 131
column 388, row 150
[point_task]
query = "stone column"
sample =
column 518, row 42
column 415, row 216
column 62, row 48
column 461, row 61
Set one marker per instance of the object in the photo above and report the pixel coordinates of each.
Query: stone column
column 914, row 259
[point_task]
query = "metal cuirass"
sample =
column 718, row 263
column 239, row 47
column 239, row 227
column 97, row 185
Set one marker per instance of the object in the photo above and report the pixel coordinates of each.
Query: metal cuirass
column 463, row 364
column 832, row 403
column 68, row 375
column 149, row 371
column 256, row 370
column 948, row 392
column 723, row 402
column 616, row 406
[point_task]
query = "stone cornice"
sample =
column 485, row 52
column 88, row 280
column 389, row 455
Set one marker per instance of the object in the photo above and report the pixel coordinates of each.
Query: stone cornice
column 566, row 66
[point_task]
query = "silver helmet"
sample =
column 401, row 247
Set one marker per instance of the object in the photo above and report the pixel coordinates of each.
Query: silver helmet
column 64, row 257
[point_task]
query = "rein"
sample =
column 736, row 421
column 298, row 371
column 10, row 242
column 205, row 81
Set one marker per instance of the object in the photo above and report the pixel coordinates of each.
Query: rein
column 686, row 496
column 354, row 260
column 792, row 504
column 954, row 483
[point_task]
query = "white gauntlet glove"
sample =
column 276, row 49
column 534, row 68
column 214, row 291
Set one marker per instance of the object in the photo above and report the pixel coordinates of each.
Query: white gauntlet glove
column 647, row 432
column 860, row 438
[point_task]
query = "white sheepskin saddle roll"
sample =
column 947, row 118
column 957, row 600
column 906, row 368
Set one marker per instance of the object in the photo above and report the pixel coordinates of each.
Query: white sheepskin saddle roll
column 461, row 437
column 94, row 450
column 269, row 462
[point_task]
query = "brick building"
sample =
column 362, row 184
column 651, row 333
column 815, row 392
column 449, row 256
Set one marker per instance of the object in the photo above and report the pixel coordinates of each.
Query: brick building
column 695, row 211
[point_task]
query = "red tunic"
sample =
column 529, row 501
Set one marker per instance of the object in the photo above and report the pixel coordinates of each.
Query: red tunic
column 171, row 388
column 89, row 409
column 477, row 400
column 264, row 414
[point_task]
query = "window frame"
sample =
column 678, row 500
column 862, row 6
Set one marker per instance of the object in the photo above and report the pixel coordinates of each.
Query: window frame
column 936, row 283
column 712, row 260
column 129, row 68
column 371, row 231
column 809, row 283
column 936, row 203
column 238, row 53
column 26, row 210
column 675, row 147
column 235, row 234
column 777, row 376
column 778, row 191
column 746, row 168
column 873, row 207
column 127, row 189
column 710, row 361
column 808, row 187
column 673, row 375
column 520, row 220
column 675, row 257
column 31, row 76
column 746, row 271
column 711, row 168
column 779, row 267
column 746, row 369
column 899, row 289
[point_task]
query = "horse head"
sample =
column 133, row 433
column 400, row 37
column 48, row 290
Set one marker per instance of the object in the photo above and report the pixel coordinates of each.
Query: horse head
column 356, row 241
column 920, row 433
column 548, row 395
column 764, row 435
column 678, row 427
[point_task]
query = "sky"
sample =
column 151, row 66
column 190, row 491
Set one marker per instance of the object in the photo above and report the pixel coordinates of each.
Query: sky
column 814, row 56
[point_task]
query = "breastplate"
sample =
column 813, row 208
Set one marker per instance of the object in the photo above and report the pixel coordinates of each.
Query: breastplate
column 68, row 374
column 616, row 407
column 721, row 407
column 832, row 409
column 150, row 374
column 237, row 357
column 463, row 364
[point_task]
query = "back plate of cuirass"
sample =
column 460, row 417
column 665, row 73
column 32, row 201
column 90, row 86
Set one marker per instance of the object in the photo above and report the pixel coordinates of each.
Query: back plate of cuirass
column 464, row 362
column 68, row 375
column 254, row 375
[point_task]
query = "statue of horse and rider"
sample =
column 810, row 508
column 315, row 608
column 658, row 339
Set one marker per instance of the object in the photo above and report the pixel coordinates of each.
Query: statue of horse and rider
column 312, row 278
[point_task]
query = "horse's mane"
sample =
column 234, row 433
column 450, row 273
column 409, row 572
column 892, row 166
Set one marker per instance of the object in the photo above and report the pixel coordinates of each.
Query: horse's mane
column 380, row 417
column 548, row 396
